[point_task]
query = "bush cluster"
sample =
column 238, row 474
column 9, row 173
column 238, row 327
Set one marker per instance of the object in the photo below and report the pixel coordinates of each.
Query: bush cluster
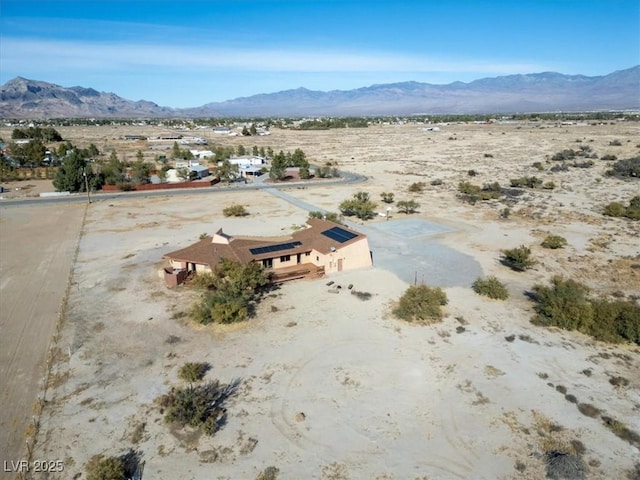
column 235, row 211
column 360, row 206
column 617, row 209
column 200, row 406
column 407, row 206
column 331, row 216
column 387, row 197
column 422, row 304
column 491, row 287
column 518, row 258
column 529, row 182
column 471, row 193
column 629, row 167
column 554, row 241
column 193, row 371
column 565, row 303
column 232, row 290
column 417, row 187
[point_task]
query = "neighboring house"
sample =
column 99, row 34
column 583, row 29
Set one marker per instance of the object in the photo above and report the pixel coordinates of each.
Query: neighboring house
column 202, row 154
column 323, row 247
column 250, row 171
column 196, row 171
column 247, row 161
column 222, row 130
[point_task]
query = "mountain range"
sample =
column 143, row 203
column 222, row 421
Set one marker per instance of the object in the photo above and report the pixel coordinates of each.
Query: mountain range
column 537, row 92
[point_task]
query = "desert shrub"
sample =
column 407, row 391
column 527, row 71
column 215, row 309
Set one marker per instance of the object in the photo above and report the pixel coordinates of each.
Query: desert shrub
column 586, row 164
column 269, row 473
column 421, row 303
column 563, row 167
column 491, row 287
column 472, row 173
column 233, row 289
column 360, row 206
column 619, row 381
column 608, row 157
column 567, row 154
column 538, row 166
column 417, row 187
column 198, row 406
column 564, row 304
column 235, row 211
column 554, row 241
column 436, row 181
column 549, row 185
column 615, row 143
column 472, row 193
column 617, row 209
column 629, row 167
column 407, row 206
column 361, row 295
column 518, row 259
column 529, row 182
column 488, row 155
column 622, row 431
column 387, row 197
column 193, row 371
column 505, row 212
column 203, row 236
column 588, row 410
column 331, row 216
column 106, row 468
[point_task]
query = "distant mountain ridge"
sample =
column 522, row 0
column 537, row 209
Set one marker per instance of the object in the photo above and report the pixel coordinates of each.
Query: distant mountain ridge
column 536, row 92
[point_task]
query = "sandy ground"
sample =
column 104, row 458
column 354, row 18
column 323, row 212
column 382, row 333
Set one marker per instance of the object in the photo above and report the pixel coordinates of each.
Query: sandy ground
column 37, row 245
column 381, row 398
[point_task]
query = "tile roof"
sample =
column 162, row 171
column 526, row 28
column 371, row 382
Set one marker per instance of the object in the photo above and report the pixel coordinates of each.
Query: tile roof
column 206, row 252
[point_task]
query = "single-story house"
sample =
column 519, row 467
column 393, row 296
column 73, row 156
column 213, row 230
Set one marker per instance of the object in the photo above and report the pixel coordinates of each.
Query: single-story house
column 202, row 153
column 250, row 171
column 247, row 160
column 323, row 247
column 195, row 172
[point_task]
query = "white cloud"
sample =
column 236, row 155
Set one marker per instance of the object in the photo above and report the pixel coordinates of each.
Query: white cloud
column 32, row 55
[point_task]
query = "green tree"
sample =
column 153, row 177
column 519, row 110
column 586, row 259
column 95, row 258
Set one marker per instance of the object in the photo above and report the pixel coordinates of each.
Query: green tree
column 241, row 150
column 184, row 174
column 407, row 206
column 70, row 175
column 140, row 172
column 254, row 151
column 387, row 197
column 139, row 156
column 245, row 131
column 278, row 166
column 360, row 206
column 228, row 172
column 175, row 151
column 253, row 130
column 31, row 153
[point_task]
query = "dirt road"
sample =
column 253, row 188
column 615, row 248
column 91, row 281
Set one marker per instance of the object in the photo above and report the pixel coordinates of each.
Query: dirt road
column 37, row 246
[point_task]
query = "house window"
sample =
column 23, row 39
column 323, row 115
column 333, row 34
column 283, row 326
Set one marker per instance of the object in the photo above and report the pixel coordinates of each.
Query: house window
column 307, row 254
column 267, row 263
column 317, row 258
column 285, row 258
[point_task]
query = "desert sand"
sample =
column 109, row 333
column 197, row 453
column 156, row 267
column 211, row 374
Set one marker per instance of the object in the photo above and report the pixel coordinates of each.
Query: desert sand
column 479, row 395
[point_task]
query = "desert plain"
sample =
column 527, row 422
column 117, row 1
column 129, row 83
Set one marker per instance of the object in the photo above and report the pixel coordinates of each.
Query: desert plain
column 331, row 386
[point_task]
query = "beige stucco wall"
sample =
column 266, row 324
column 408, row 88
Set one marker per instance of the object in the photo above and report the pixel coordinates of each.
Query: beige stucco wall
column 356, row 255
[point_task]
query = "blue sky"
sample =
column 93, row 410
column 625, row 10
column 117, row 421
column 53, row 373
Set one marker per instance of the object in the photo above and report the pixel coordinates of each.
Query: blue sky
column 183, row 53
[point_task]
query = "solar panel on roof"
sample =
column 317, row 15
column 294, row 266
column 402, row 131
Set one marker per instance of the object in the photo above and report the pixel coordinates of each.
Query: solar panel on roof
column 339, row 234
column 274, row 248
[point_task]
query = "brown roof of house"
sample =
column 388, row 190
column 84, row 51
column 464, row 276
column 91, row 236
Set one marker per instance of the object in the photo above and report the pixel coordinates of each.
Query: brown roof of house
column 206, row 252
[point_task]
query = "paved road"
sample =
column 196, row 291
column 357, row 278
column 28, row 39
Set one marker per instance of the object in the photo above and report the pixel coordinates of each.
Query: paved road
column 347, row 178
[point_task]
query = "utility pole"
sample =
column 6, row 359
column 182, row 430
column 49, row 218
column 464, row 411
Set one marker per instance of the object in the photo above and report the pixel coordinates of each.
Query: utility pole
column 86, row 184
